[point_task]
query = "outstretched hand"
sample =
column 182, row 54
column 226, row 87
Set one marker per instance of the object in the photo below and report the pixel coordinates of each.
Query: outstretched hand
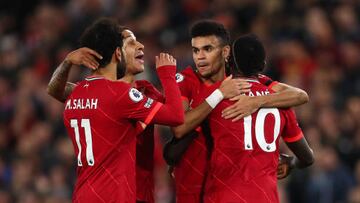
column 84, row 56
column 165, row 59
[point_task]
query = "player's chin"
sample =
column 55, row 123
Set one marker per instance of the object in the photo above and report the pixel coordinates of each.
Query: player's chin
column 135, row 68
column 205, row 74
column 139, row 69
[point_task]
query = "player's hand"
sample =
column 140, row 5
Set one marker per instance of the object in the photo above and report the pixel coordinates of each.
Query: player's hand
column 84, row 56
column 171, row 171
column 231, row 87
column 165, row 59
column 285, row 166
column 243, row 106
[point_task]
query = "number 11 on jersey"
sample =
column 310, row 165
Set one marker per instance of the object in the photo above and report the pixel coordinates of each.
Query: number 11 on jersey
column 85, row 123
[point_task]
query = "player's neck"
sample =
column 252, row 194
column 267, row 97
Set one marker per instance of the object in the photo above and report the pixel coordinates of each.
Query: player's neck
column 251, row 77
column 108, row 72
column 128, row 78
column 247, row 78
column 216, row 77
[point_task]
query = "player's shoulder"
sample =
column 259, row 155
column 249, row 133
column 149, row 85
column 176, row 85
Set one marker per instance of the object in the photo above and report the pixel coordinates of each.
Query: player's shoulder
column 143, row 84
column 186, row 74
column 119, row 84
column 256, row 85
column 122, row 88
column 266, row 80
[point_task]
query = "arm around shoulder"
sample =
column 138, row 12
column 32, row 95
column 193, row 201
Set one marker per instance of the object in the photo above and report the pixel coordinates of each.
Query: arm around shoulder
column 294, row 94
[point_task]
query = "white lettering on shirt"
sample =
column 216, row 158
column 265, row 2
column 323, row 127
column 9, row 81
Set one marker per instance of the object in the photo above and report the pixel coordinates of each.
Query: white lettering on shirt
column 258, row 93
column 81, row 104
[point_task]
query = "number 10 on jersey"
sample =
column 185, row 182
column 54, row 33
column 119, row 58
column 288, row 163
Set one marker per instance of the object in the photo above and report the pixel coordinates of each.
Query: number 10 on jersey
column 85, row 124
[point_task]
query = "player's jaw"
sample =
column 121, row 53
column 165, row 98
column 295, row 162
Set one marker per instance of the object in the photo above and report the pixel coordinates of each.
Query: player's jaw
column 204, row 68
column 135, row 61
column 210, row 67
column 139, row 60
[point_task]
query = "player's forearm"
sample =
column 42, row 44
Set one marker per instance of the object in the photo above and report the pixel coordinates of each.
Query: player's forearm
column 304, row 154
column 290, row 96
column 283, row 99
column 297, row 163
column 193, row 119
column 172, row 107
column 58, row 86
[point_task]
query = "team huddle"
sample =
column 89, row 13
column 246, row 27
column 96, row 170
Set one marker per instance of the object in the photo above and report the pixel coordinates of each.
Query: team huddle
column 226, row 118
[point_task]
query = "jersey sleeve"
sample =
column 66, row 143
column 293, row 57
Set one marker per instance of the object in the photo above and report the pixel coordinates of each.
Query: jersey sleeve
column 184, row 82
column 267, row 81
column 149, row 90
column 292, row 132
column 132, row 104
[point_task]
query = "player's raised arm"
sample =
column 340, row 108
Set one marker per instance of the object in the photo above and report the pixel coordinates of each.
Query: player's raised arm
column 171, row 112
column 58, row 86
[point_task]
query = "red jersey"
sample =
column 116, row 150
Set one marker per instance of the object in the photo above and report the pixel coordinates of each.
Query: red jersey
column 190, row 171
column 245, row 156
column 145, row 149
column 100, row 117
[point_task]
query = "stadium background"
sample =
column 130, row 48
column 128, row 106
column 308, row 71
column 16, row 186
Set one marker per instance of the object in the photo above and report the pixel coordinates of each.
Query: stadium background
column 311, row 44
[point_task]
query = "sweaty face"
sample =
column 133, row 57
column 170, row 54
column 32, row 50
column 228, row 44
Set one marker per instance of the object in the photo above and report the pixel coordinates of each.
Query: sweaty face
column 207, row 55
column 133, row 52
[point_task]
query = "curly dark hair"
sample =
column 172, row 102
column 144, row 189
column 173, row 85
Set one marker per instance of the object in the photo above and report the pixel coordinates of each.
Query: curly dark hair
column 103, row 36
column 209, row 27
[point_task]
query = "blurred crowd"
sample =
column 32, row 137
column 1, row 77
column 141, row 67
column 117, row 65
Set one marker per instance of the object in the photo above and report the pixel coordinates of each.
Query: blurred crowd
column 311, row 44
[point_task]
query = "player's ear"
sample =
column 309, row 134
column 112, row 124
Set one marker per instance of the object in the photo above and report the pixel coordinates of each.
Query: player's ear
column 226, row 52
column 118, row 54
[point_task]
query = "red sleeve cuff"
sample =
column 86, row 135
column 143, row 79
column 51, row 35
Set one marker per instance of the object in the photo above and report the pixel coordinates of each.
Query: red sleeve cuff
column 294, row 139
column 166, row 71
column 183, row 98
column 152, row 113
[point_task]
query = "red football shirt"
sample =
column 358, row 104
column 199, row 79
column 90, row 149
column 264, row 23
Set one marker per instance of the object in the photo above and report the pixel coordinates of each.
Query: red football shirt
column 245, row 155
column 100, row 117
column 190, row 171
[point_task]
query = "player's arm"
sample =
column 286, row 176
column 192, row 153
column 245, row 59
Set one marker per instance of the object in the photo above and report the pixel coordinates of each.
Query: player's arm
column 171, row 112
column 303, row 158
column 289, row 96
column 295, row 140
column 228, row 88
column 285, row 96
column 58, row 86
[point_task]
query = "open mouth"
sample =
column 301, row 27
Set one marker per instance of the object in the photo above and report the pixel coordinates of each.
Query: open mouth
column 140, row 58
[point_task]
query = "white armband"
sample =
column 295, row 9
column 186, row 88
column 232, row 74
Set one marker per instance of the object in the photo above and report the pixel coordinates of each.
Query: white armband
column 215, row 98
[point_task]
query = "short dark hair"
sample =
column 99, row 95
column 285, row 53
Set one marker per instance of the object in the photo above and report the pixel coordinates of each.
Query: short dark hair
column 248, row 55
column 209, row 27
column 103, row 36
